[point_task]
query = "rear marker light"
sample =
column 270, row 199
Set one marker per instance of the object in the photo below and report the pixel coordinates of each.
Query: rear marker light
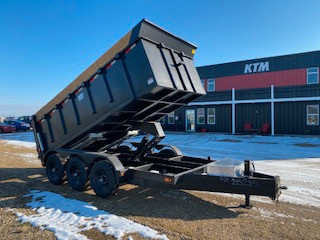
column 78, row 90
column 93, row 78
column 167, row 180
column 130, row 48
column 65, row 101
column 110, row 64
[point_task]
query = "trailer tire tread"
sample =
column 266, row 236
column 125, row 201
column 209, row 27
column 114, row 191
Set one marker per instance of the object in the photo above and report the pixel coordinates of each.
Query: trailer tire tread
column 55, row 169
column 103, row 179
column 77, row 174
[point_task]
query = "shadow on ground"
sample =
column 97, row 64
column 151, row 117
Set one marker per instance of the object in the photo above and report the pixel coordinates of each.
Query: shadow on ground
column 129, row 201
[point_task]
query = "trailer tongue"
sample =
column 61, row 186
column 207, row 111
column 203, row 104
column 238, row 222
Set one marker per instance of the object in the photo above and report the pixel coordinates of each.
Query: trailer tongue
column 82, row 132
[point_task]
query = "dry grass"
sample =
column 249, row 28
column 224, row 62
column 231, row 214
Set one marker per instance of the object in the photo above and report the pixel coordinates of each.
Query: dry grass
column 178, row 214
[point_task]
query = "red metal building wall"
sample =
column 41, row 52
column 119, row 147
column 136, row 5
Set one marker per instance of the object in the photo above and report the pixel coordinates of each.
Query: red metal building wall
column 261, row 80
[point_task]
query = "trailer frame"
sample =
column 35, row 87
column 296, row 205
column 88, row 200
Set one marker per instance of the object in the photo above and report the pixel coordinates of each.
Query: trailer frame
column 147, row 168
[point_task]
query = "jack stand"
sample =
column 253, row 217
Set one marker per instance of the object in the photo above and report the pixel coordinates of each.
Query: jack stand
column 247, row 204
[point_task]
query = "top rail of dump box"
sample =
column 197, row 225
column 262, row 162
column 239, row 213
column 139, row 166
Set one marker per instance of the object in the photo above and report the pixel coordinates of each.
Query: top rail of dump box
column 144, row 29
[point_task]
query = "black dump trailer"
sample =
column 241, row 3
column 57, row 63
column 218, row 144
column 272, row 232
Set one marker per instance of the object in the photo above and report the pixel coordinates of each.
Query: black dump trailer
column 83, row 133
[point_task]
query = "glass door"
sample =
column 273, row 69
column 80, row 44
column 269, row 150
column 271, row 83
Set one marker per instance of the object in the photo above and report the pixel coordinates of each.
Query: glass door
column 190, row 120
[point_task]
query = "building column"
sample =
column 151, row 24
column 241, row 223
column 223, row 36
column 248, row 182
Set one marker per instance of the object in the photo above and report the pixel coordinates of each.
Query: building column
column 233, row 111
column 272, row 110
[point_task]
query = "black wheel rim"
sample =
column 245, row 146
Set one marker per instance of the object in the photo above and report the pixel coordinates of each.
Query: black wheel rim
column 76, row 174
column 101, row 179
column 54, row 171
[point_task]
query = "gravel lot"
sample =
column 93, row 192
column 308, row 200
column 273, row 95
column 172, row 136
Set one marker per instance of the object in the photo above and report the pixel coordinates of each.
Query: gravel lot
column 178, row 214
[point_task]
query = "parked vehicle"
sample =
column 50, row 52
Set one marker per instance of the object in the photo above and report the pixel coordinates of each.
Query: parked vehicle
column 81, row 133
column 26, row 119
column 19, row 125
column 6, row 128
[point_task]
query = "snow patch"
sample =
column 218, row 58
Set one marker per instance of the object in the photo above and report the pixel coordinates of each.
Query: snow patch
column 10, row 209
column 267, row 214
column 67, row 218
column 20, row 144
column 28, row 155
column 242, row 147
column 301, row 176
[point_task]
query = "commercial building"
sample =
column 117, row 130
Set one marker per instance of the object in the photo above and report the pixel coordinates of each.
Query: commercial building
column 280, row 92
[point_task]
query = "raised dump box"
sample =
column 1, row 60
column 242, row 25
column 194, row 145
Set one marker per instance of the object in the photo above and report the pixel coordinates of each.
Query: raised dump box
column 146, row 75
column 82, row 132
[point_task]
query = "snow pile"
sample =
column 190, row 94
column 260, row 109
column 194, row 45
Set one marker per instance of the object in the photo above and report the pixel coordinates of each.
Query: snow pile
column 20, row 143
column 67, row 218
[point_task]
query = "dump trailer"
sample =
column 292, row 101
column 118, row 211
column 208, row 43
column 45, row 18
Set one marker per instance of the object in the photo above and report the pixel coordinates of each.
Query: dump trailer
column 82, row 134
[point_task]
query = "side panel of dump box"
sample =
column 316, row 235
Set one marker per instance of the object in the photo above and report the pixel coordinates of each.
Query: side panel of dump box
column 145, row 82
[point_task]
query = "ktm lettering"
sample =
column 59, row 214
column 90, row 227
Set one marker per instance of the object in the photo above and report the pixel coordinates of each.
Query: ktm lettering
column 256, row 67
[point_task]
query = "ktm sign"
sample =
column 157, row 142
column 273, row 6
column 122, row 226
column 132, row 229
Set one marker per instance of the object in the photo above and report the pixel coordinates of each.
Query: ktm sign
column 256, row 67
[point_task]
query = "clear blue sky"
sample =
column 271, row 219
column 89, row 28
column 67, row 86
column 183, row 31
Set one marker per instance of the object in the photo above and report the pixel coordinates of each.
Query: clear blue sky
column 44, row 45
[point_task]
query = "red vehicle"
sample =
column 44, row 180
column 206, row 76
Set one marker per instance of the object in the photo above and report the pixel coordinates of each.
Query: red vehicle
column 6, row 128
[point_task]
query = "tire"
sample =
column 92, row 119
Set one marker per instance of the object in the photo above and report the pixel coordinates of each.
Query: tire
column 168, row 152
column 55, row 169
column 102, row 179
column 77, row 174
column 1, row 131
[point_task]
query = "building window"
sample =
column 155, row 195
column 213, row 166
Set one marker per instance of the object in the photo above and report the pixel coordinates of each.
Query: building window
column 211, row 85
column 211, row 116
column 171, row 118
column 312, row 114
column 163, row 120
column 203, row 81
column 200, row 116
column 312, row 75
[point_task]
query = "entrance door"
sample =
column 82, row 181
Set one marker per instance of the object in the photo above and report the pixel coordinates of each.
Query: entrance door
column 190, row 120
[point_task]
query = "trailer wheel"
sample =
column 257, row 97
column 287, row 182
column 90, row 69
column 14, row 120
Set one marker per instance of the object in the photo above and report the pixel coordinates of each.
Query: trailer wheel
column 102, row 179
column 55, row 169
column 169, row 152
column 76, row 174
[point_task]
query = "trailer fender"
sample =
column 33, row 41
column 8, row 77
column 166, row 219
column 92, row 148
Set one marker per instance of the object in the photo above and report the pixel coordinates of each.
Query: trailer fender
column 45, row 158
column 88, row 158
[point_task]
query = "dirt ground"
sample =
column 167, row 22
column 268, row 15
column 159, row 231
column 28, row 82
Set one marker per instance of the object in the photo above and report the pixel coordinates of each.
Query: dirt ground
column 178, row 214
